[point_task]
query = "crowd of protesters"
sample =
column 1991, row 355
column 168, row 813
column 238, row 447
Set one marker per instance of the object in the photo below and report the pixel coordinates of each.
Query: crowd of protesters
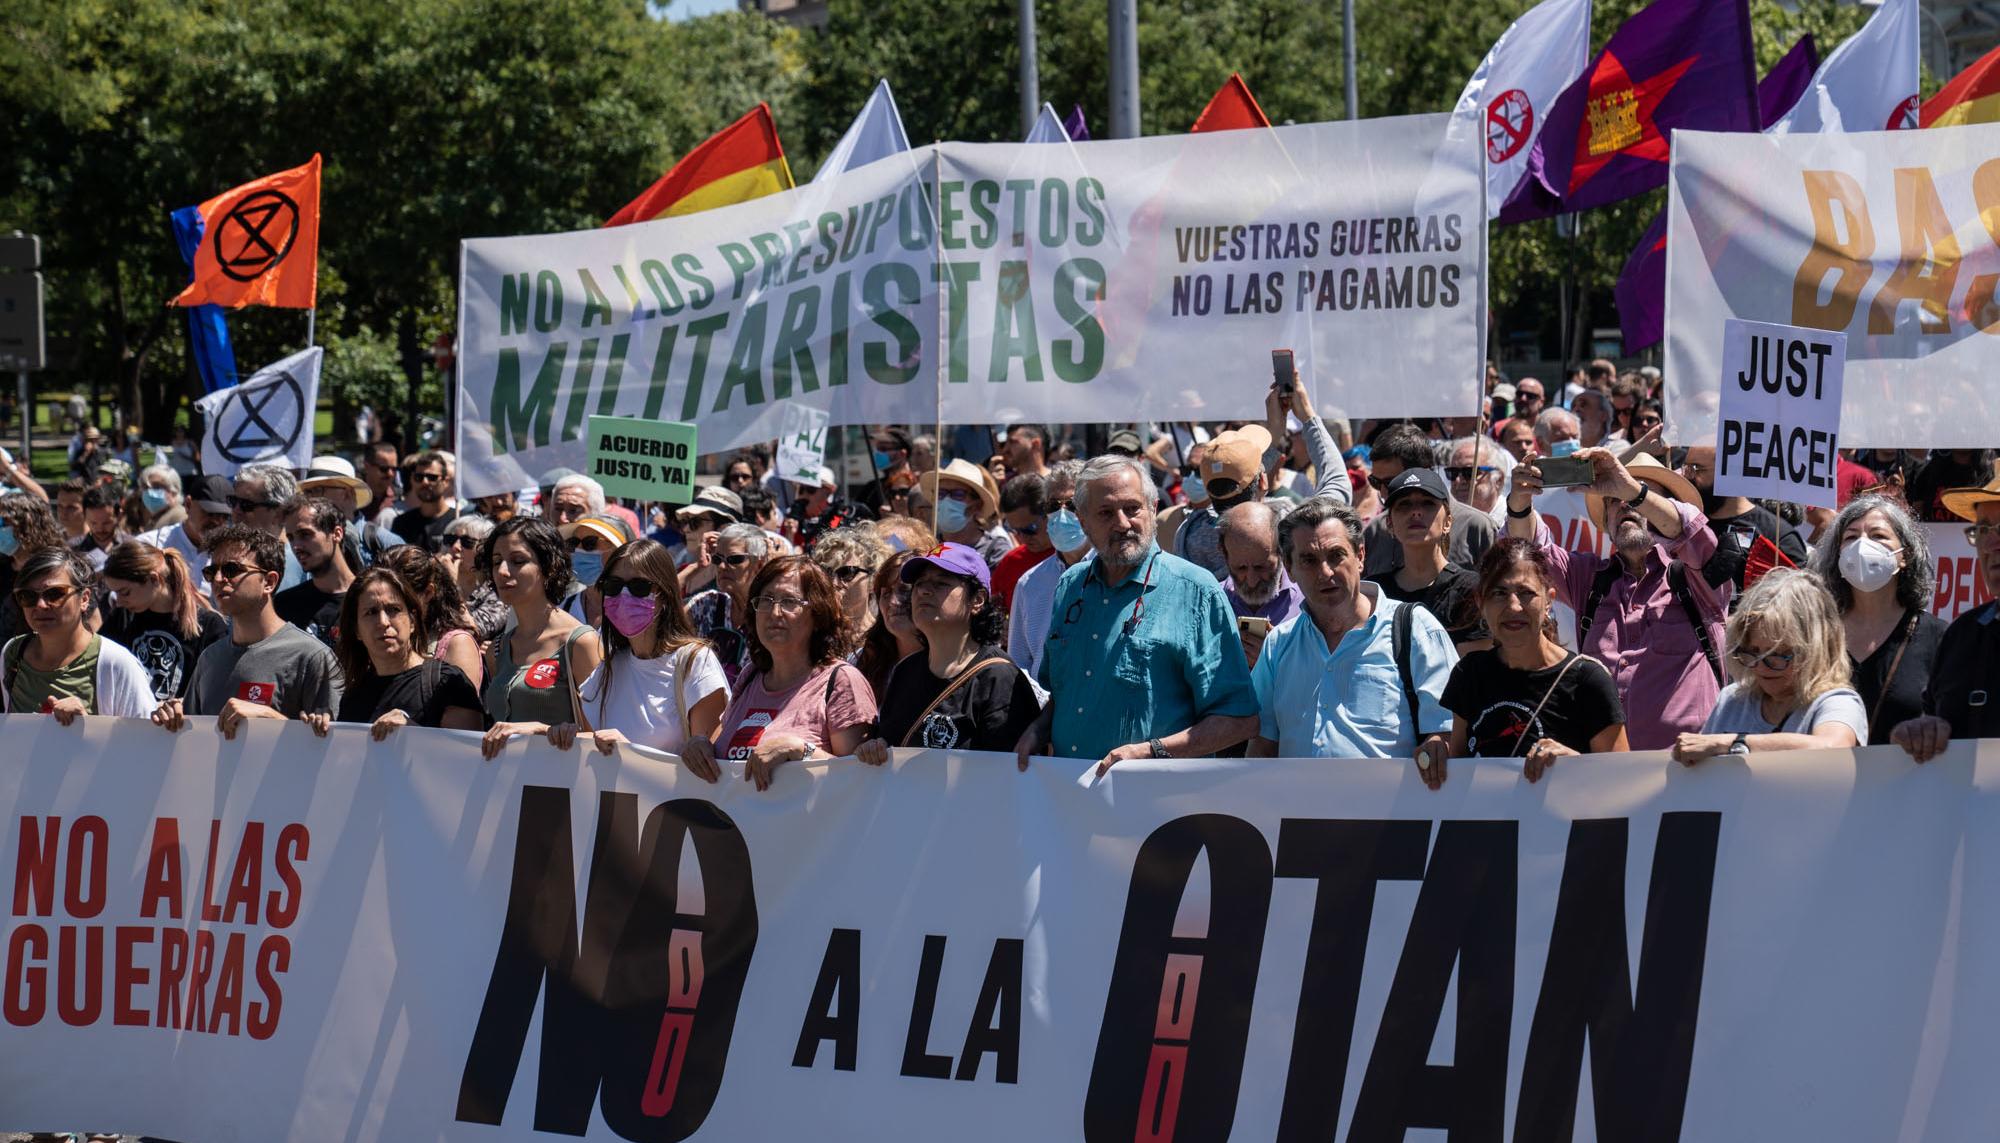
column 1292, row 587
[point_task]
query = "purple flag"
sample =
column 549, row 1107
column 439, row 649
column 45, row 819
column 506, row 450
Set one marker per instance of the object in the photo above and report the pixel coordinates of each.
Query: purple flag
column 1079, row 131
column 1676, row 63
column 1642, row 285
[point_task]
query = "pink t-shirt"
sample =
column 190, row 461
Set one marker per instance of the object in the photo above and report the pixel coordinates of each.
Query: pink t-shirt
column 811, row 710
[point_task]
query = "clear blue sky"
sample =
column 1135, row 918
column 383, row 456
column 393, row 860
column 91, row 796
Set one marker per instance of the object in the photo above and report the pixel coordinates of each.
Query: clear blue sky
column 684, row 9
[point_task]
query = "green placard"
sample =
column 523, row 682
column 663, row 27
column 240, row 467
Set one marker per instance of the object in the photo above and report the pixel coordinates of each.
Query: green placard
column 645, row 460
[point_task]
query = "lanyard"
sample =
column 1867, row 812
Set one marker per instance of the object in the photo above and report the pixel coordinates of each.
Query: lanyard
column 1075, row 609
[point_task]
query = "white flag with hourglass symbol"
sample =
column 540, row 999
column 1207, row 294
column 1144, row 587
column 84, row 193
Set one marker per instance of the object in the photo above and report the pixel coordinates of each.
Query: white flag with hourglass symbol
column 265, row 419
column 1531, row 63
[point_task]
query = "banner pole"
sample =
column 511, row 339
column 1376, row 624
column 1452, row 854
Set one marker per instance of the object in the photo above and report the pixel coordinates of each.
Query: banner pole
column 310, row 315
column 937, row 254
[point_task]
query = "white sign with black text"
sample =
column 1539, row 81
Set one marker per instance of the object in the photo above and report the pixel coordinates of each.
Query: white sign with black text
column 802, row 444
column 1778, row 433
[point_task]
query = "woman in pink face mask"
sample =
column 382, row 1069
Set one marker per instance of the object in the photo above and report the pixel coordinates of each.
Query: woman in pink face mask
column 660, row 684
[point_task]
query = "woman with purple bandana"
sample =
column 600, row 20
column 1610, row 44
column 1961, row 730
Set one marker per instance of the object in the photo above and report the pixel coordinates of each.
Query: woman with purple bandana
column 660, row 685
column 961, row 691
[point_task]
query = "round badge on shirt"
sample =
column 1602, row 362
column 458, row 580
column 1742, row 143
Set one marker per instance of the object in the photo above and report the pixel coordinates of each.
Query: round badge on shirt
column 542, row 675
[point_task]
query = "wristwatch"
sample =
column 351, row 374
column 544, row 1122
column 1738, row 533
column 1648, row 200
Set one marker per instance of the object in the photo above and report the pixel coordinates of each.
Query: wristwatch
column 1741, row 745
column 1645, row 490
column 1159, row 748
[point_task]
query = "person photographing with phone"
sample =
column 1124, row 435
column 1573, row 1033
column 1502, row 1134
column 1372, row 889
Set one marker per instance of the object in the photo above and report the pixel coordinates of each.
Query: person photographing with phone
column 1645, row 612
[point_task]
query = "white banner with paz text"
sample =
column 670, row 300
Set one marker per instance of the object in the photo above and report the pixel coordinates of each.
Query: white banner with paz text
column 1891, row 237
column 1118, row 280
column 289, row 938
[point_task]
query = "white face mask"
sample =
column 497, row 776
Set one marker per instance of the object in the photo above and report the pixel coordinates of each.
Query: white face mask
column 1868, row 564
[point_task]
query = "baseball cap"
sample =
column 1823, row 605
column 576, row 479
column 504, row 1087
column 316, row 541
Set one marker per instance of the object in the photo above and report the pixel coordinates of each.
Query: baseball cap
column 1234, row 460
column 607, row 527
column 1124, row 442
column 1428, row 481
column 212, row 493
column 954, row 558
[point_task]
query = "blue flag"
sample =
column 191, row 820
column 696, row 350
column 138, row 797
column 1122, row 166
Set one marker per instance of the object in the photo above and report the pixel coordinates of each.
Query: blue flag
column 209, row 328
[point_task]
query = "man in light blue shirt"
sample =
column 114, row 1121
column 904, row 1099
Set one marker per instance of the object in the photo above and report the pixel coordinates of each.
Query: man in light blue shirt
column 1328, row 682
column 1142, row 658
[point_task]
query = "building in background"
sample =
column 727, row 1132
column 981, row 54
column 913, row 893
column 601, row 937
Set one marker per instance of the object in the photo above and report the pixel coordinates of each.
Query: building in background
column 799, row 13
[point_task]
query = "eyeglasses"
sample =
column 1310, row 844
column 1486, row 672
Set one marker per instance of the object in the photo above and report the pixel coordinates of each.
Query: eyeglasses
column 28, row 597
column 1648, row 421
column 583, row 543
column 230, row 571
column 462, row 542
column 1458, row 473
column 426, row 477
column 1769, row 660
column 1377, row 483
column 735, row 559
column 1691, row 467
column 782, row 604
column 848, row 573
column 611, row 585
column 1978, row 533
column 1062, row 505
column 238, row 504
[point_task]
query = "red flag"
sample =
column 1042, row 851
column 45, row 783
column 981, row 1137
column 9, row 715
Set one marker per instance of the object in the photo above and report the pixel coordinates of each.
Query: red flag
column 1232, row 109
column 1972, row 96
column 260, row 244
column 736, row 164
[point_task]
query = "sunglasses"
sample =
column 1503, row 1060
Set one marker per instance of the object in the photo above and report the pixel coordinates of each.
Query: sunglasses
column 1647, row 421
column 1377, row 483
column 584, row 543
column 229, row 571
column 426, row 477
column 237, row 503
column 28, row 597
column 1456, row 472
column 611, row 585
column 848, row 573
column 734, row 559
column 462, row 543
column 1026, row 529
column 1770, row 660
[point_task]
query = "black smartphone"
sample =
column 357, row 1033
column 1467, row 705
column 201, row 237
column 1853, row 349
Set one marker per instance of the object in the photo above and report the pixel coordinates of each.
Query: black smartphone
column 1566, row 471
column 1283, row 371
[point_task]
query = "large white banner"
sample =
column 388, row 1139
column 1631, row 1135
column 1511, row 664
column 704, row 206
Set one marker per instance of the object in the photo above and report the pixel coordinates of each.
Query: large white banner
column 287, row 938
column 1892, row 237
column 1117, row 280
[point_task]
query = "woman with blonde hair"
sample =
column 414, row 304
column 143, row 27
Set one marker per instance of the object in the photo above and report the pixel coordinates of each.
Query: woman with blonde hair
column 1788, row 657
column 159, row 614
column 850, row 557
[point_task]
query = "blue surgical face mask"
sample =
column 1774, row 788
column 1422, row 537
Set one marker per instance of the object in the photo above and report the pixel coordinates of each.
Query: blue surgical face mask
column 883, row 461
column 1066, row 531
column 155, row 499
column 1563, row 448
column 587, row 566
column 951, row 516
column 1194, row 488
column 8, row 544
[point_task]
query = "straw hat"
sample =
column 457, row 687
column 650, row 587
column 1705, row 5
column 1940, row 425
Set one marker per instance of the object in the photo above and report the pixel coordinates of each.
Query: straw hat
column 1965, row 502
column 973, row 477
column 336, row 472
column 1647, row 469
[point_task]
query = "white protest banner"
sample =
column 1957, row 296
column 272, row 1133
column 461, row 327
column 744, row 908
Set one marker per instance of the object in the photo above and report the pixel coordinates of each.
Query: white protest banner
column 802, row 444
column 1108, row 281
column 284, row 937
column 1779, row 434
column 267, row 418
column 1960, row 587
column 1876, row 234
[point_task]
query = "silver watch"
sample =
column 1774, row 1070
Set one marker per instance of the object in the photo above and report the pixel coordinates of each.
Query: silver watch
column 1159, row 748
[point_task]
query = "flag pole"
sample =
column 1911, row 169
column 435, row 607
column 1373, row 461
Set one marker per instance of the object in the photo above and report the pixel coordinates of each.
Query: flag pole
column 937, row 250
column 311, row 313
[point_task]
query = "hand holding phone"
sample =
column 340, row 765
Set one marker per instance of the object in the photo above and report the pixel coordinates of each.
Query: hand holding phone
column 1284, row 371
column 1566, row 471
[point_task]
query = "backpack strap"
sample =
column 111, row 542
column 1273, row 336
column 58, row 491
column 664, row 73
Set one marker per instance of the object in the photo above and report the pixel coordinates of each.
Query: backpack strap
column 569, row 671
column 1600, row 586
column 1677, row 582
column 1400, row 639
column 429, row 681
column 11, row 656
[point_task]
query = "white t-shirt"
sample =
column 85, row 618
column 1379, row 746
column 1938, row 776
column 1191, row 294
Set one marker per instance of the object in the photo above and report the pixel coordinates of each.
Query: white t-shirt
column 1738, row 711
column 642, row 704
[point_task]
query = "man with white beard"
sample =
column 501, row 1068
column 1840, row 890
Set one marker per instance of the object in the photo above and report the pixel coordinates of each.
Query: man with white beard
column 1258, row 589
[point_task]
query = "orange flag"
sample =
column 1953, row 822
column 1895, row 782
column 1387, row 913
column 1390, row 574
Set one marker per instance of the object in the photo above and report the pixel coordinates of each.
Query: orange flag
column 260, row 244
column 1232, row 109
column 736, row 164
column 1972, row 96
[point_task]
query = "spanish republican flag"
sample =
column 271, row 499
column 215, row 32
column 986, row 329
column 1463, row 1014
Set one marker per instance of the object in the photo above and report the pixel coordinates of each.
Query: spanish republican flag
column 1232, row 108
column 260, row 244
column 736, row 164
column 1972, row 96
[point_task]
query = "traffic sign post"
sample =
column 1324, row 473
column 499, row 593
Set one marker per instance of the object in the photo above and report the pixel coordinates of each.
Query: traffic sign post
column 23, row 346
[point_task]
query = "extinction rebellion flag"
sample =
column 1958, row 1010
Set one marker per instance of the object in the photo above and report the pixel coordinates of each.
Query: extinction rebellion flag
column 260, row 244
column 1677, row 63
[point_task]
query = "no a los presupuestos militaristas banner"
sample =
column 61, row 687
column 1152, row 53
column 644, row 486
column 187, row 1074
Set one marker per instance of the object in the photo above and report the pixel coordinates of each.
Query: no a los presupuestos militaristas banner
column 1891, row 237
column 991, row 283
column 290, row 938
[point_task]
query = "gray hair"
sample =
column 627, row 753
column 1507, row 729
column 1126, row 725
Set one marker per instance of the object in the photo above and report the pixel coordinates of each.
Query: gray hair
column 1308, row 516
column 166, row 474
column 1914, row 580
column 593, row 492
column 278, row 482
column 755, row 540
column 1553, row 419
column 477, row 527
column 1111, row 464
column 1063, row 474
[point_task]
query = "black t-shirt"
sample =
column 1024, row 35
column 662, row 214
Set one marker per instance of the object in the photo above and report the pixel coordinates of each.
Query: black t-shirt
column 1913, row 674
column 156, row 642
column 990, row 712
column 1498, row 703
column 1735, row 535
column 1451, row 599
column 315, row 612
column 413, row 527
column 424, row 693
column 1965, row 677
